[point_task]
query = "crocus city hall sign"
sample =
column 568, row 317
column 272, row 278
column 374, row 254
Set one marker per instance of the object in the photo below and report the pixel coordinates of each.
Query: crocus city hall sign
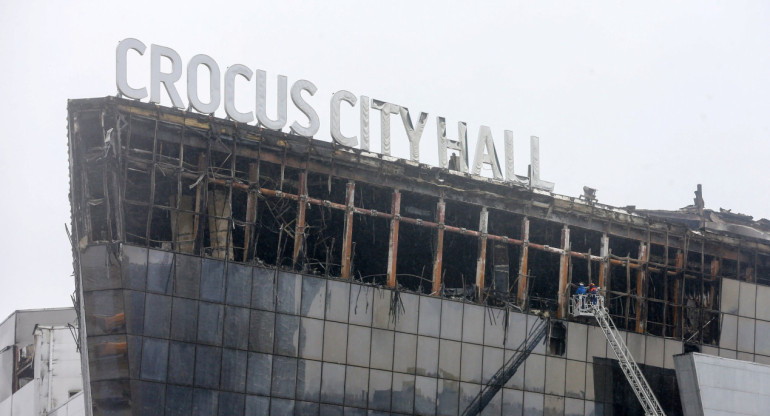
column 485, row 153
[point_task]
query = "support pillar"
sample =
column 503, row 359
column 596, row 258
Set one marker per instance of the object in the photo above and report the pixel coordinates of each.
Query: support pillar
column 563, row 295
column 251, row 212
column 347, row 238
column 393, row 242
column 604, row 270
column 481, row 261
column 523, row 264
column 438, row 256
column 641, row 283
column 299, row 230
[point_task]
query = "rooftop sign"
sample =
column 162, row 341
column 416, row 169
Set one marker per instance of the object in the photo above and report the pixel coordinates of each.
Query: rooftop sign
column 485, row 152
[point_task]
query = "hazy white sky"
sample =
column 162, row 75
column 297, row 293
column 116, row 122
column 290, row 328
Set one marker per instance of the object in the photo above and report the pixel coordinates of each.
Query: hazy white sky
column 641, row 101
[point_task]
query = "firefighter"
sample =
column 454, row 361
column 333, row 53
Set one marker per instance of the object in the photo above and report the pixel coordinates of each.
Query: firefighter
column 592, row 292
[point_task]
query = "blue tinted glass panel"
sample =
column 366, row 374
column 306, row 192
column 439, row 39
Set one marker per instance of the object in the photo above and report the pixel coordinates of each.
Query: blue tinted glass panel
column 533, row 404
column 147, row 397
column 427, row 357
column 134, row 304
column 335, row 342
column 236, row 327
column 451, row 320
column 213, row 280
column 493, row 361
column 205, row 402
column 263, row 289
column 494, row 327
column 380, row 383
column 208, row 361
column 260, row 370
column 337, row 300
column 356, row 380
column 178, row 400
column 447, row 397
column 311, row 336
column 308, row 380
column 305, row 408
column 471, row 363
column 513, row 402
column 187, row 278
column 289, row 293
column 261, row 331
column 408, row 313
column 425, row 395
column 403, row 393
column 313, row 297
column 184, row 319
column 230, row 404
column 180, row 358
column 281, row 406
column 449, row 359
column 134, row 267
column 382, row 349
column 405, row 353
column 333, row 383
column 430, row 316
column 238, row 291
column 160, row 270
column 468, row 391
column 157, row 316
column 383, row 316
column 257, row 406
column 284, row 376
column 154, row 359
column 473, row 323
column 210, row 323
column 361, row 305
column 359, row 341
column 233, row 370
column 286, row 334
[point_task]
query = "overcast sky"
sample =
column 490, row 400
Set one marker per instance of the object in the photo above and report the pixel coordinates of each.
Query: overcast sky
column 641, row 101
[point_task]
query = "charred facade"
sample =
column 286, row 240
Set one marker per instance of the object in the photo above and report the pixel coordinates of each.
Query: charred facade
column 245, row 230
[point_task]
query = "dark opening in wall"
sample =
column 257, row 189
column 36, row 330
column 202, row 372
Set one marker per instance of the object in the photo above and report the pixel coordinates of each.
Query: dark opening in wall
column 416, row 244
column 503, row 259
column 545, row 232
column 371, row 234
column 461, row 251
column 557, row 342
column 543, row 280
column 583, row 241
column 763, row 270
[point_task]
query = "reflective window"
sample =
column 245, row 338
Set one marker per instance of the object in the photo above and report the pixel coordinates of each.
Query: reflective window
column 762, row 343
column 763, row 303
column 213, row 281
column 311, row 336
column 517, row 330
column 425, row 395
column 257, row 406
column 430, row 316
column 517, row 381
column 379, row 389
column 208, row 361
column 533, row 404
column 289, row 293
column 576, row 379
column 211, row 317
column 104, row 309
column 313, row 297
column 134, row 267
column 473, row 323
column 263, row 289
column 187, row 278
column 729, row 296
column 335, row 342
column 281, row 406
column 238, row 285
column 447, row 397
column 305, row 408
column 284, row 376
column 747, row 299
column 333, row 383
column 513, row 402
column 261, row 331
column 405, row 353
column 184, row 319
column 259, row 373
column 468, row 391
column 408, row 315
column 383, row 315
column 160, row 269
column 729, row 335
column 427, row 357
column 134, row 305
column 493, row 362
column 233, row 370
column 230, row 404
column 286, row 334
column 157, row 316
column 309, row 380
column 205, row 402
column 555, row 369
column 449, row 359
column 359, row 341
column 471, row 357
column 494, row 327
column 354, row 411
column 451, row 320
column 553, row 405
column 403, row 393
column 154, row 359
column 236, row 327
column 181, row 355
column 635, row 344
column 356, row 380
column 534, row 373
column 573, row 407
column 178, row 400
column 93, row 266
column 134, row 346
column 745, row 334
column 597, row 344
column 576, row 341
column 382, row 349
column 361, row 298
column 533, row 321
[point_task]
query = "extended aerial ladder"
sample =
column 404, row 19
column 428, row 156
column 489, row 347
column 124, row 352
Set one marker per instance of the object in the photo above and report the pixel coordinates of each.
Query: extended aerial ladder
column 508, row 370
column 593, row 305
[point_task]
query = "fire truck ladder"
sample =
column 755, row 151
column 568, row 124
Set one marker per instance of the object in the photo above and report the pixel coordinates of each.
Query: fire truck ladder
column 593, row 305
column 508, row 370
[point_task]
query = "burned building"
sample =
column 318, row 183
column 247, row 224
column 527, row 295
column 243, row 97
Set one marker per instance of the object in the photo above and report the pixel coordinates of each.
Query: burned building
column 225, row 268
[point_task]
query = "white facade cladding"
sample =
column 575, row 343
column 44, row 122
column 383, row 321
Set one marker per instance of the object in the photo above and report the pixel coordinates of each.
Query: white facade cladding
column 41, row 364
column 711, row 386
